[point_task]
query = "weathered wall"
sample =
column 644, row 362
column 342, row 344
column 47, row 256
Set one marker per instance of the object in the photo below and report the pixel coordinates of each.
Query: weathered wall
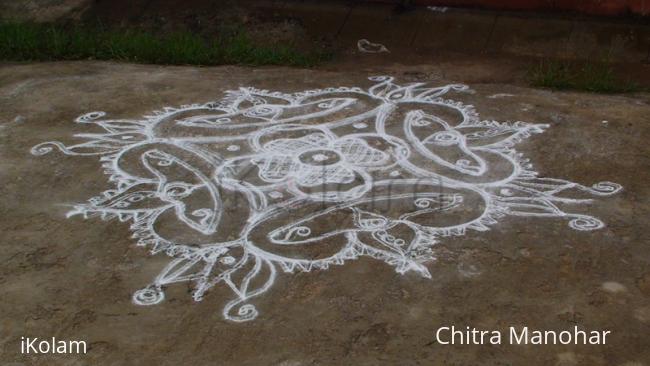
column 53, row 10
column 594, row 7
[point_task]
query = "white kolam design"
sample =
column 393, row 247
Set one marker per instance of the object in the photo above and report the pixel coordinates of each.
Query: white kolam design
column 236, row 190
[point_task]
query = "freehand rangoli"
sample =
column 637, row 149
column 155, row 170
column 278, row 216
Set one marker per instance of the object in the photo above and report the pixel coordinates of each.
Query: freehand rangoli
column 235, row 190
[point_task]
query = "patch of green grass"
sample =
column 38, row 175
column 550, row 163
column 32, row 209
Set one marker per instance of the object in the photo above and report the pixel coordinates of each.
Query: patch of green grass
column 48, row 42
column 591, row 77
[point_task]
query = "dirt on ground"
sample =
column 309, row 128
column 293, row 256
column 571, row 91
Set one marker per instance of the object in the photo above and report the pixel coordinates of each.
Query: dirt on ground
column 74, row 278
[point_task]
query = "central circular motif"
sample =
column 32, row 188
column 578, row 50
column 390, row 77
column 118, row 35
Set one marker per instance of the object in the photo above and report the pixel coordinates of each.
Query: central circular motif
column 319, row 157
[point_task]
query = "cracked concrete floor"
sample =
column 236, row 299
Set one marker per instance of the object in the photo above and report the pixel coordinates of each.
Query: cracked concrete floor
column 73, row 278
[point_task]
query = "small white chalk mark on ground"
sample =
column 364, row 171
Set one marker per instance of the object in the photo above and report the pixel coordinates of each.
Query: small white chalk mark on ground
column 500, row 95
column 468, row 270
column 363, row 45
column 438, row 9
column 613, row 287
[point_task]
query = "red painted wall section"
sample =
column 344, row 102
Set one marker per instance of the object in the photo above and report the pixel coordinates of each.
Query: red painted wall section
column 595, row 7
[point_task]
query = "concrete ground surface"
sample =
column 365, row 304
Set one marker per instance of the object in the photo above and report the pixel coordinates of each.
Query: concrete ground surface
column 74, row 278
